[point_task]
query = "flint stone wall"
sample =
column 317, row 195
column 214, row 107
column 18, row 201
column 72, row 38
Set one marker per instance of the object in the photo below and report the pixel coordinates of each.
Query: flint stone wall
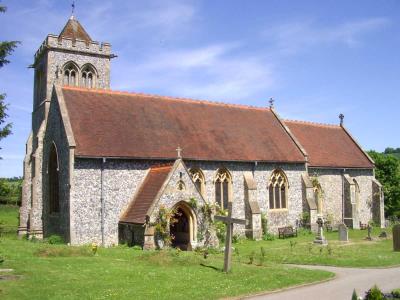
column 331, row 184
column 121, row 178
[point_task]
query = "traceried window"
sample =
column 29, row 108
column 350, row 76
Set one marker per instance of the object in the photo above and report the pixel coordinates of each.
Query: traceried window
column 223, row 183
column 88, row 76
column 53, row 173
column 277, row 187
column 70, row 74
column 198, row 179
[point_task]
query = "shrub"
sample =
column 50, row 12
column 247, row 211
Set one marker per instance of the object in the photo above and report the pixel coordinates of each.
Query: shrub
column 354, row 296
column 220, row 229
column 396, row 293
column 55, row 239
column 137, row 247
column 374, row 294
column 268, row 237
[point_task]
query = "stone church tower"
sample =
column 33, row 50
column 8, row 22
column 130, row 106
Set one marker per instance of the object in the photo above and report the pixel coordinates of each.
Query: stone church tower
column 70, row 58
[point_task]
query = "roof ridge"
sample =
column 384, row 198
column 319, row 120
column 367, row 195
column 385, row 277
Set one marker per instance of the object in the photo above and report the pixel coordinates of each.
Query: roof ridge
column 181, row 99
column 312, row 123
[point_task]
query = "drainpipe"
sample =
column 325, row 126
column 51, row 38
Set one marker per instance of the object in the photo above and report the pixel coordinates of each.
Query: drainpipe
column 102, row 209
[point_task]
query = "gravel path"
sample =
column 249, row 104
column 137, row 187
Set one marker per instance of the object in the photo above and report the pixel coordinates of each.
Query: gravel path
column 342, row 286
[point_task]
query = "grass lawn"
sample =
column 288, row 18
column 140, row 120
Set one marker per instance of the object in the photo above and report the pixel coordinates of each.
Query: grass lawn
column 59, row 271
column 356, row 253
column 9, row 216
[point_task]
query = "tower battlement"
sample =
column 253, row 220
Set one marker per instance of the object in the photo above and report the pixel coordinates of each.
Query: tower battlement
column 55, row 42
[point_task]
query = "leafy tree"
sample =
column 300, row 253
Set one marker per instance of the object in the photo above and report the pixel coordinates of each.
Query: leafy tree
column 388, row 173
column 6, row 48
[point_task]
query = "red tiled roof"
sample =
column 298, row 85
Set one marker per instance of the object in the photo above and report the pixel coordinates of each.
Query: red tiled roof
column 138, row 208
column 74, row 30
column 328, row 145
column 129, row 125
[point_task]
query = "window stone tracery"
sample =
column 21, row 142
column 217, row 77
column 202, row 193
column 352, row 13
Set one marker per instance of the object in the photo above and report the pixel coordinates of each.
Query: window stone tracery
column 223, row 185
column 277, row 187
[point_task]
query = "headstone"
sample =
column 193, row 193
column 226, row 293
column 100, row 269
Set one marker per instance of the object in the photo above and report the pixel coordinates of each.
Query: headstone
column 320, row 239
column 343, row 233
column 396, row 237
column 369, row 228
column 229, row 221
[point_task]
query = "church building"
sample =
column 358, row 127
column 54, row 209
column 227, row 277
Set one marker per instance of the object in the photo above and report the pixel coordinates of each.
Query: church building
column 101, row 166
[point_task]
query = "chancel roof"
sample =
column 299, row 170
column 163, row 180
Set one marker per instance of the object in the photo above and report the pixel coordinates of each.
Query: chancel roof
column 329, row 145
column 130, row 125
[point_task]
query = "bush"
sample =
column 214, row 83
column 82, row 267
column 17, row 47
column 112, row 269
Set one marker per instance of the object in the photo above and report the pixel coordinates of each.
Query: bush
column 137, row 247
column 396, row 293
column 374, row 294
column 55, row 239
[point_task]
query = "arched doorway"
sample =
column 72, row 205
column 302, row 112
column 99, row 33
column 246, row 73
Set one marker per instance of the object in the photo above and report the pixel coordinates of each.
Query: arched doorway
column 183, row 228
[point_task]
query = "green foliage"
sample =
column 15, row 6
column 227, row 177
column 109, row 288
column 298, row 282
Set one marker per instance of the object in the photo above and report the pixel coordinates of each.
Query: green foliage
column 354, row 296
column 193, row 203
column 374, row 294
column 55, row 239
column 165, row 218
column 396, row 293
column 10, row 190
column 220, row 228
column 6, row 48
column 388, row 173
column 305, row 218
column 264, row 223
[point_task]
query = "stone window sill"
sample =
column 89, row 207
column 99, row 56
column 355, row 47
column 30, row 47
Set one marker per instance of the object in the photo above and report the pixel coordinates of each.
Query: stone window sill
column 279, row 210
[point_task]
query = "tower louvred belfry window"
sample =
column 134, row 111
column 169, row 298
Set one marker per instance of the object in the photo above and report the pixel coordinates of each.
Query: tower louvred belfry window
column 277, row 187
column 70, row 74
column 88, row 77
column 223, row 183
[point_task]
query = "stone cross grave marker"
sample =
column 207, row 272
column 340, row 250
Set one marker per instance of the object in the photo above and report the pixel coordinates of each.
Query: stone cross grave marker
column 320, row 239
column 343, row 233
column 396, row 237
column 229, row 221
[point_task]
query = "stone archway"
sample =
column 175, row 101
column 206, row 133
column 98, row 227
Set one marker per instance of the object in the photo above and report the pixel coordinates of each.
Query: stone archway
column 183, row 231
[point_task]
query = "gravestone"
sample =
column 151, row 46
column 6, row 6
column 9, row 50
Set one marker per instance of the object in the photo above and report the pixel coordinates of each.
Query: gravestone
column 320, row 239
column 229, row 221
column 369, row 238
column 396, row 237
column 343, row 233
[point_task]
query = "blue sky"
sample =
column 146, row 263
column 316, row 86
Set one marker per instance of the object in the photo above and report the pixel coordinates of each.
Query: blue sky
column 316, row 58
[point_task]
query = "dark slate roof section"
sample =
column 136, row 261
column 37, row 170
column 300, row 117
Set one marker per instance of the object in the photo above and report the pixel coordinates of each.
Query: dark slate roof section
column 129, row 125
column 146, row 195
column 329, row 145
column 75, row 31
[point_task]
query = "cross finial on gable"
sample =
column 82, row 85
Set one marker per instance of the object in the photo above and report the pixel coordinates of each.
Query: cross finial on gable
column 271, row 102
column 341, row 117
column 179, row 151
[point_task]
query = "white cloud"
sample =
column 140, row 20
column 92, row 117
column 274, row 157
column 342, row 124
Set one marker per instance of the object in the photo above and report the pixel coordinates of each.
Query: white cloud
column 213, row 72
column 296, row 36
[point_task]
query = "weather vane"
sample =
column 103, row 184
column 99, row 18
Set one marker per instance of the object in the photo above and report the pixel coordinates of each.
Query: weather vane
column 271, row 102
column 341, row 117
column 73, row 8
